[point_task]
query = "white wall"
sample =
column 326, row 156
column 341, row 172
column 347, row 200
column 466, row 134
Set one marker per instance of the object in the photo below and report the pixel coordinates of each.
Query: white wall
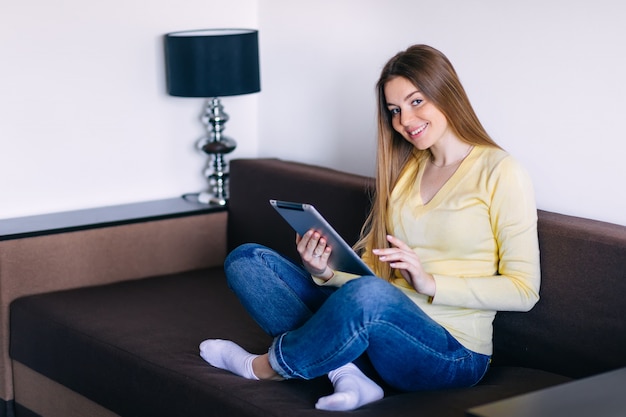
column 85, row 119
column 545, row 77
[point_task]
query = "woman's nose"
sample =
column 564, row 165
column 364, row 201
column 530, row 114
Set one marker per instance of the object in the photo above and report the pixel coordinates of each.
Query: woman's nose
column 406, row 117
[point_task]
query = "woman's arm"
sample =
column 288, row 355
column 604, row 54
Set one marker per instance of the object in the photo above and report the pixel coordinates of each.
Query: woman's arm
column 513, row 219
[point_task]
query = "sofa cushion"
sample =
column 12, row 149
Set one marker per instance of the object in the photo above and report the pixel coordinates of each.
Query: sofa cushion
column 133, row 348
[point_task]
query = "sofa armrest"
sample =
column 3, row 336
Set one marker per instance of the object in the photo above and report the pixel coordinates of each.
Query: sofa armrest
column 102, row 255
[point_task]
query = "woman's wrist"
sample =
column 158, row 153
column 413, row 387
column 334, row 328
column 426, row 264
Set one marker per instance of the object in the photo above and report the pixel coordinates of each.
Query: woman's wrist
column 430, row 287
column 326, row 275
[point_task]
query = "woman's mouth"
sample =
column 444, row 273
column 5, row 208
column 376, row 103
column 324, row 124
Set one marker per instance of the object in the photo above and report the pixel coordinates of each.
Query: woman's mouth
column 419, row 130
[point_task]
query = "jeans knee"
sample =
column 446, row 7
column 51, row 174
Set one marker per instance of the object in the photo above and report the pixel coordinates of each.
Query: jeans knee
column 369, row 291
column 245, row 252
column 367, row 284
column 238, row 259
column 241, row 251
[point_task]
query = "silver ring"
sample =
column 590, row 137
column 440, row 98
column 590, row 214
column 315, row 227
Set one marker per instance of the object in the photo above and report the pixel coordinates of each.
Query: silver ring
column 315, row 255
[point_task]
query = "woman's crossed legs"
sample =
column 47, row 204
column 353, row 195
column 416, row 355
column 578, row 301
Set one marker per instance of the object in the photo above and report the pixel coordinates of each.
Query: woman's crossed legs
column 322, row 330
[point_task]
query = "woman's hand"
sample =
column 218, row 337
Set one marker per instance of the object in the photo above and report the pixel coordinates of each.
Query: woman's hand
column 314, row 252
column 404, row 259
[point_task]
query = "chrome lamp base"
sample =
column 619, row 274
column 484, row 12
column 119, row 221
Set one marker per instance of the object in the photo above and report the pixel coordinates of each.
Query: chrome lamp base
column 216, row 145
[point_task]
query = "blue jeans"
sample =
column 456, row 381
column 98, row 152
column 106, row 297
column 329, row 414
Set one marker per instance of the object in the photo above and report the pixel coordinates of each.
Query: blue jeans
column 317, row 329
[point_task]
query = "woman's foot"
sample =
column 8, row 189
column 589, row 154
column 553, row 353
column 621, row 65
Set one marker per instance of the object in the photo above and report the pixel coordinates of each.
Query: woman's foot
column 352, row 390
column 228, row 355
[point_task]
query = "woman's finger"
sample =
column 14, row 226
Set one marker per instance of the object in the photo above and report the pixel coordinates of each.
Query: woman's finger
column 397, row 243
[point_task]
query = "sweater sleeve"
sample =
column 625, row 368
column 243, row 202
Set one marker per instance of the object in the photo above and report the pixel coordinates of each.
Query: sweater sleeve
column 513, row 219
column 339, row 278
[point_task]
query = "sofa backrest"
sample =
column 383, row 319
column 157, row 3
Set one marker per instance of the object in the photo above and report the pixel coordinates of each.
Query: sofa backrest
column 342, row 198
column 578, row 327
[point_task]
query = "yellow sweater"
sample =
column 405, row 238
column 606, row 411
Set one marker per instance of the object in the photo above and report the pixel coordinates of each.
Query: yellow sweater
column 477, row 237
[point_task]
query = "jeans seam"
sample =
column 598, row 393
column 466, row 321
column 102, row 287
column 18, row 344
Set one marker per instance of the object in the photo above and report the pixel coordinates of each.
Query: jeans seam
column 466, row 352
column 348, row 342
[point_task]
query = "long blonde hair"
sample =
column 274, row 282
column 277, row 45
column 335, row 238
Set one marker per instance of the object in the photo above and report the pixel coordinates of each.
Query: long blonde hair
column 433, row 74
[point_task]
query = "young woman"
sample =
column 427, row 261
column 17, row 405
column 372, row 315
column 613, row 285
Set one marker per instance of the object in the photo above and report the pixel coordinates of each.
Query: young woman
column 451, row 236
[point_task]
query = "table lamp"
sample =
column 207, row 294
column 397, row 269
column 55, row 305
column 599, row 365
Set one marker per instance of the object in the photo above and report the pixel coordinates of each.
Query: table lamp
column 213, row 63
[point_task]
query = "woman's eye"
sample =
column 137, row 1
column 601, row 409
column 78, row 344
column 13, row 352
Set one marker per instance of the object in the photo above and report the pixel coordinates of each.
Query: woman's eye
column 417, row 102
column 394, row 111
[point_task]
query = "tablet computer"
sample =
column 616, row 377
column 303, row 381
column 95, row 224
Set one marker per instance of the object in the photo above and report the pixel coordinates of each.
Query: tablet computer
column 303, row 217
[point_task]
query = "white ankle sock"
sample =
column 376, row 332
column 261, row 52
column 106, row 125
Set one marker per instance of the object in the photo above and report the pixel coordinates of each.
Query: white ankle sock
column 228, row 355
column 352, row 390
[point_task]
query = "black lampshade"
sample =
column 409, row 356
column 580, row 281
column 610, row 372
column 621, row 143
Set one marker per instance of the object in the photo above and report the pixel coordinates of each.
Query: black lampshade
column 212, row 62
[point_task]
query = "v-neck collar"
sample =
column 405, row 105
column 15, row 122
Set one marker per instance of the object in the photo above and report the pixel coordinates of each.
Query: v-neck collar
column 414, row 197
column 447, row 186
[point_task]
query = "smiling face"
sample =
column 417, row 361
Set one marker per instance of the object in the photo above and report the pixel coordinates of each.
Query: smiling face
column 418, row 120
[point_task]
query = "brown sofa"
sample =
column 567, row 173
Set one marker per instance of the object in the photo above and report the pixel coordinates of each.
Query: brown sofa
column 106, row 320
